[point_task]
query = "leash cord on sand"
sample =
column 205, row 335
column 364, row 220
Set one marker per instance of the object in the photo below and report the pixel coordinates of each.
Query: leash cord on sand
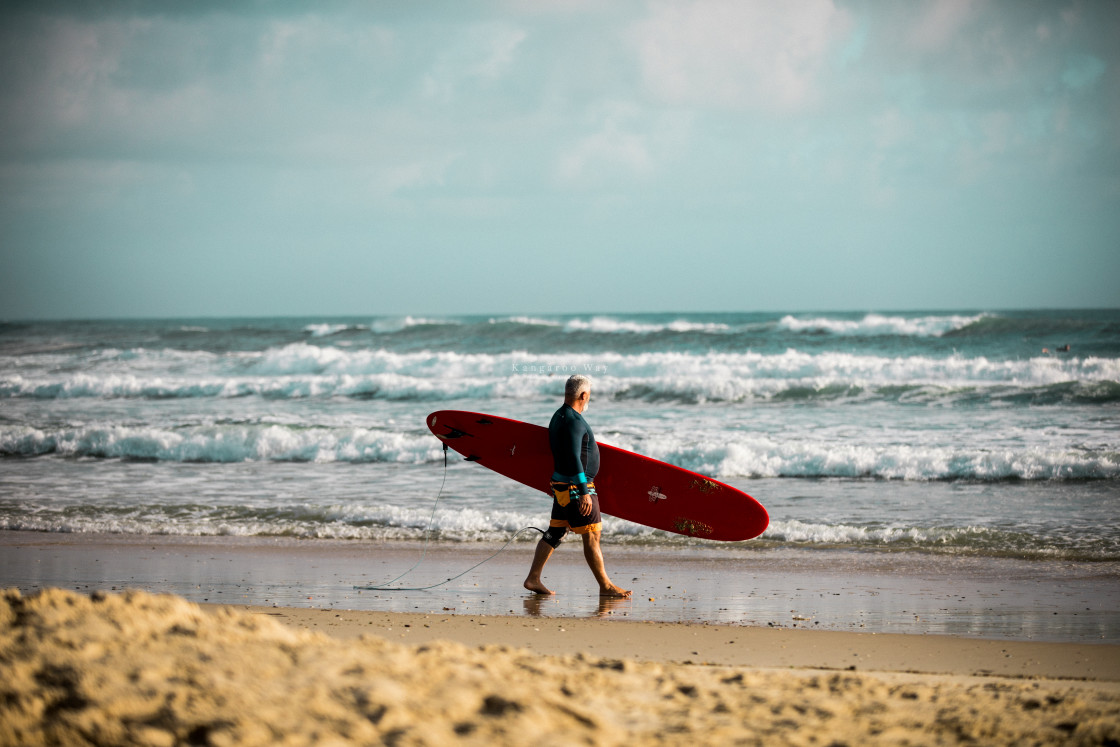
column 427, row 538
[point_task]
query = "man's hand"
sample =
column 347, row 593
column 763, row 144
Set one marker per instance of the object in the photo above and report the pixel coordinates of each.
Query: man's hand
column 585, row 505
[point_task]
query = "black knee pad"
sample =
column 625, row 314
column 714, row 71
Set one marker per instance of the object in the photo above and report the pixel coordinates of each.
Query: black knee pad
column 554, row 536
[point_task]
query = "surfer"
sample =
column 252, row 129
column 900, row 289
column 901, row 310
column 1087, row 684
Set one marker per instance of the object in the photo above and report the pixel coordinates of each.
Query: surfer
column 575, row 505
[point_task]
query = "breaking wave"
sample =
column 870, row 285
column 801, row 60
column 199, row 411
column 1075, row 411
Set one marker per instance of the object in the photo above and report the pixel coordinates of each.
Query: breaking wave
column 875, row 325
column 222, row 443
column 359, row 521
column 742, row 457
column 610, row 325
column 303, row 370
column 762, row 457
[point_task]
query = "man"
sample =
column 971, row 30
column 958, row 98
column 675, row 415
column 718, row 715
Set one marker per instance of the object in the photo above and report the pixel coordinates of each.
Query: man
column 575, row 505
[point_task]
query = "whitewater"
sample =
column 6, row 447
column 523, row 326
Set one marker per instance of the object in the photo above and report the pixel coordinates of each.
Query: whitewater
column 982, row 433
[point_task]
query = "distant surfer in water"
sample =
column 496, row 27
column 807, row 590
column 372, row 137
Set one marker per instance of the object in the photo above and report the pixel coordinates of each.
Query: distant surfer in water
column 575, row 505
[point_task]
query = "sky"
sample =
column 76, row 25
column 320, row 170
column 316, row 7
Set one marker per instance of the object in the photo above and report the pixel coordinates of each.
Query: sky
column 169, row 159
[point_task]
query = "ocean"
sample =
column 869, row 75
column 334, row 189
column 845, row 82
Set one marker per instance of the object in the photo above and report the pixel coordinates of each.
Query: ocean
column 953, row 473
column 991, row 434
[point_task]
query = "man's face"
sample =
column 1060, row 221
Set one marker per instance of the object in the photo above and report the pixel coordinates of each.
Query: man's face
column 586, row 397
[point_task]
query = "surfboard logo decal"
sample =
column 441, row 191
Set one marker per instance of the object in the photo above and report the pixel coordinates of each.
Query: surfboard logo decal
column 705, row 486
column 692, row 527
column 656, row 495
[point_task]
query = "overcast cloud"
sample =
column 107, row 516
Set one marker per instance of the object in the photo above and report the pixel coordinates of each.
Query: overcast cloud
column 162, row 159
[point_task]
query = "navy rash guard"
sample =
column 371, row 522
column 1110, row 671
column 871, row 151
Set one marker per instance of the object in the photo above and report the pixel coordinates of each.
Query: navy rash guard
column 575, row 455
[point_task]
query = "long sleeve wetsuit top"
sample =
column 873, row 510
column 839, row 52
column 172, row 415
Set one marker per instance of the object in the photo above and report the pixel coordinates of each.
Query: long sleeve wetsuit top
column 575, row 455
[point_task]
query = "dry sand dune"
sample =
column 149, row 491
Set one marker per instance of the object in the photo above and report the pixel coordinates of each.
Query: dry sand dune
column 134, row 668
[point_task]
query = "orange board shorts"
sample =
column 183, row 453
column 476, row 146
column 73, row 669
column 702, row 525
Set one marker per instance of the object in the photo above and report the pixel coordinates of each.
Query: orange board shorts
column 565, row 509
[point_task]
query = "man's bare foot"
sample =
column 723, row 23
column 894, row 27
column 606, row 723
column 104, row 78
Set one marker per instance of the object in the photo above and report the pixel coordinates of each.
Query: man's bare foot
column 614, row 592
column 537, row 587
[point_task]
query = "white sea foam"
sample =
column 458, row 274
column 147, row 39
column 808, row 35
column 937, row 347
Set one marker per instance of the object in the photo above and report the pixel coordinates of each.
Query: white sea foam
column 610, row 325
column 389, row 325
column 302, row 358
column 383, row 522
column 222, row 443
column 530, row 321
column 879, row 325
column 755, row 456
column 742, row 456
column 700, row 370
column 301, row 370
column 799, row 532
column 338, row 521
column 326, row 330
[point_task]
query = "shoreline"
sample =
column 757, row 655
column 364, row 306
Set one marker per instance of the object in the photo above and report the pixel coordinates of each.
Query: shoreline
column 896, row 593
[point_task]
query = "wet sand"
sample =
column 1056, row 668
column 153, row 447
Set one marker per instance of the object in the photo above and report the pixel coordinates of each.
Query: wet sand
column 903, row 593
column 135, row 668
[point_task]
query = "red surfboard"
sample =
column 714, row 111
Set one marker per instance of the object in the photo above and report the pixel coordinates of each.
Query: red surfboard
column 630, row 486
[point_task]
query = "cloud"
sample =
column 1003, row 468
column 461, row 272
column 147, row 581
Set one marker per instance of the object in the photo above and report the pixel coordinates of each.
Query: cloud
column 940, row 23
column 110, row 88
column 614, row 146
column 738, row 54
column 480, row 53
column 624, row 142
column 418, row 174
column 1082, row 72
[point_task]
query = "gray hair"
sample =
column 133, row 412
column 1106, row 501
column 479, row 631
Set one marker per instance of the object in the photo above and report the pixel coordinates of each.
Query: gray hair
column 576, row 384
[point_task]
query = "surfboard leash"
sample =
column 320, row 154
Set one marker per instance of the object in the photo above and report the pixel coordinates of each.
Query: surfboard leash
column 427, row 538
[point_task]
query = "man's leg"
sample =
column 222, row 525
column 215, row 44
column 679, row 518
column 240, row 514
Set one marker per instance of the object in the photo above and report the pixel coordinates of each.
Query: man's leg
column 557, row 529
column 594, row 557
column 533, row 580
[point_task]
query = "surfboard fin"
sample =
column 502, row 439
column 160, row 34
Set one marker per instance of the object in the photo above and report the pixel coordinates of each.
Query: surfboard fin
column 454, row 433
column 472, row 458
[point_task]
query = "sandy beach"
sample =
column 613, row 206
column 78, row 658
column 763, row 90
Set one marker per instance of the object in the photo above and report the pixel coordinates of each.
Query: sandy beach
column 118, row 639
column 136, row 668
column 718, row 645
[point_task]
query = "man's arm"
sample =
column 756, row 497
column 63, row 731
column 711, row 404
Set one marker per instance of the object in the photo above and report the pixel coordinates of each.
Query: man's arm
column 585, row 505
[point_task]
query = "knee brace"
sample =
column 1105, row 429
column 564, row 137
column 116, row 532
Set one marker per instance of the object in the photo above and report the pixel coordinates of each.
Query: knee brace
column 554, row 536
